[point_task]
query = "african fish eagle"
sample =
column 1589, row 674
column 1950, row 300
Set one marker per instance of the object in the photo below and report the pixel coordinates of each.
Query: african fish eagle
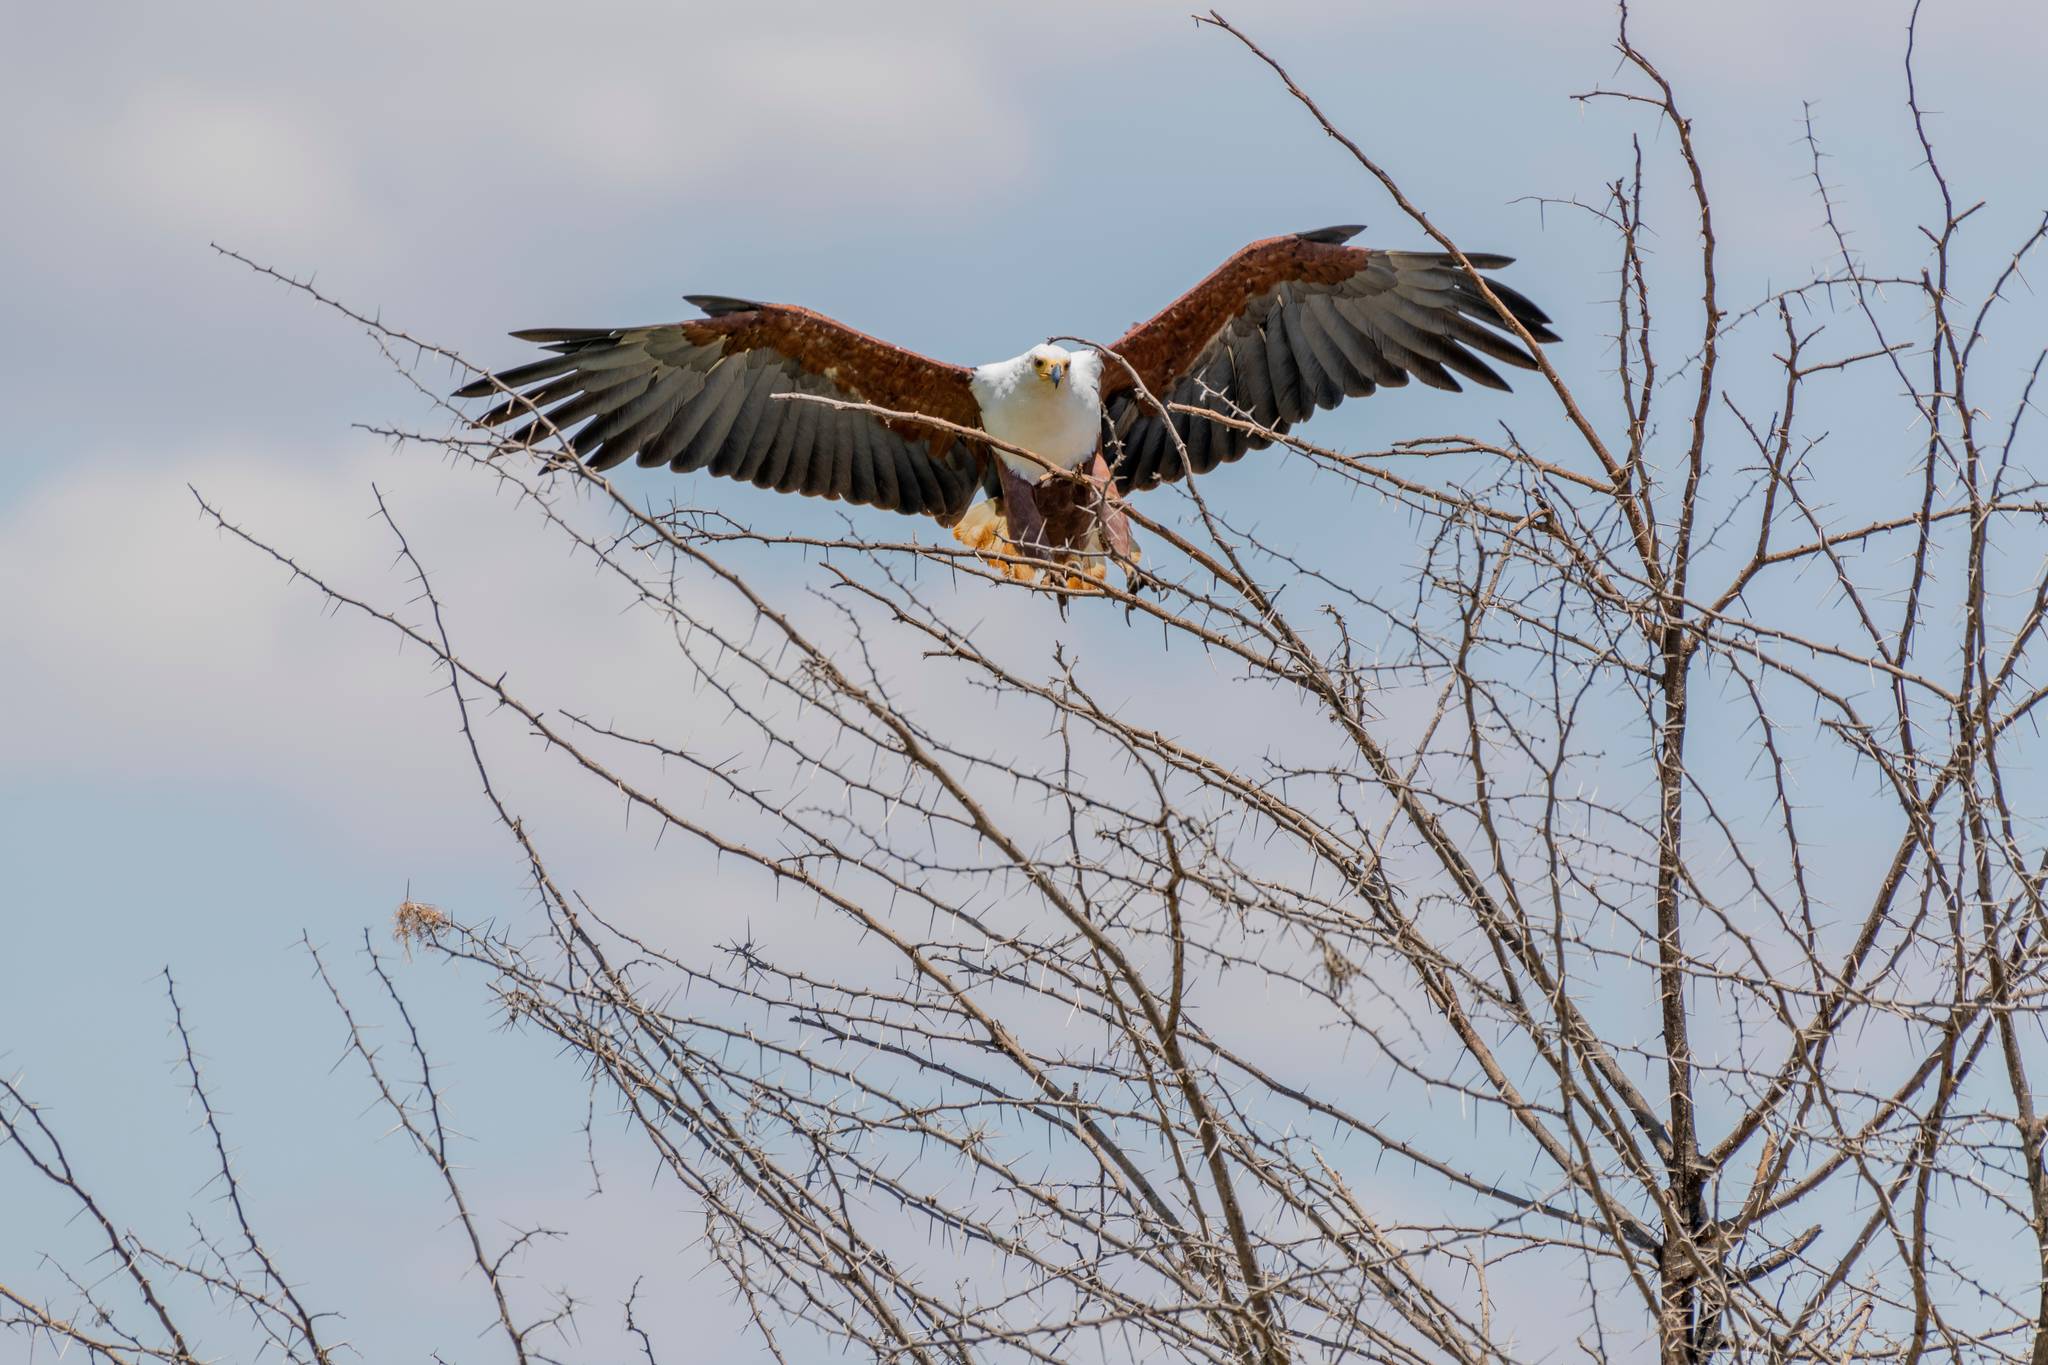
column 1286, row 326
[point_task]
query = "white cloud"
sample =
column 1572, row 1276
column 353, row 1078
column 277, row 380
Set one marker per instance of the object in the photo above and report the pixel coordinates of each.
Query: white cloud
column 203, row 162
column 789, row 118
column 148, row 645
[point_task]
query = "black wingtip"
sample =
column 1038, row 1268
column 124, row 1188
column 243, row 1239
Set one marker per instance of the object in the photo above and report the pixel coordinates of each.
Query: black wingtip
column 1333, row 236
column 718, row 305
column 564, row 338
column 1526, row 312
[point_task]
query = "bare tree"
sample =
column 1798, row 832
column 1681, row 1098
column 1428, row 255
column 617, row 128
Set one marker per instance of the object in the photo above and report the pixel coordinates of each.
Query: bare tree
column 1501, row 1004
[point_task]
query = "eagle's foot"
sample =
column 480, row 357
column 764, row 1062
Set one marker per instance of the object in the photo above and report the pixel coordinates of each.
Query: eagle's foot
column 981, row 528
column 1086, row 575
column 1016, row 545
column 986, row 531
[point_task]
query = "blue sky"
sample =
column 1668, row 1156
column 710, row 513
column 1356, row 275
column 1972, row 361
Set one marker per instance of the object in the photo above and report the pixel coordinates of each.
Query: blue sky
column 200, row 765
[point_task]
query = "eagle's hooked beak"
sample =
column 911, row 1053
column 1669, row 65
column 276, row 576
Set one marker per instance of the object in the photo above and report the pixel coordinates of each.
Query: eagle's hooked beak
column 1056, row 372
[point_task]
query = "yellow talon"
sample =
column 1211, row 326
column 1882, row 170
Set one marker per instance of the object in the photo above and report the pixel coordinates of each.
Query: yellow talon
column 985, row 531
column 981, row 528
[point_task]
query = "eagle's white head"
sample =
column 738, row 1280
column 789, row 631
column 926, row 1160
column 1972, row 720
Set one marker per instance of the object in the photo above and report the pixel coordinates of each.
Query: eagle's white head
column 1048, row 400
column 1050, row 363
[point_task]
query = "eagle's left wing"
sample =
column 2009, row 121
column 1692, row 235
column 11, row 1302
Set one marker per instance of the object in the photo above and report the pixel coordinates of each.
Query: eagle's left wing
column 705, row 394
column 1292, row 324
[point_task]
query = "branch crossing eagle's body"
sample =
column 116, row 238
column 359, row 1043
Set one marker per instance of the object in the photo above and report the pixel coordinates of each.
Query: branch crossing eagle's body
column 1285, row 327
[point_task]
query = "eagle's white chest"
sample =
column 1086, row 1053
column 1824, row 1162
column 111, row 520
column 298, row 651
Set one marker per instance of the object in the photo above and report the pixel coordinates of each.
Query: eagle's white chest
column 1061, row 422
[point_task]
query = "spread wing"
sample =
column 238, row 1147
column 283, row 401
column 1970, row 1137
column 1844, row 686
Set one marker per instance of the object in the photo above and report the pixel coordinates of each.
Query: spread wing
column 702, row 395
column 1296, row 323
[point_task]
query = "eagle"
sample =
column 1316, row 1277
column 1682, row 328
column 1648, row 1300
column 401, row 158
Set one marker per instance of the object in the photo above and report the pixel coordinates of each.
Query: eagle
column 1286, row 326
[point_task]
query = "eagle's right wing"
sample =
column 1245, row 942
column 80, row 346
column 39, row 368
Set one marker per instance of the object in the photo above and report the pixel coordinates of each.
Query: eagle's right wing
column 701, row 395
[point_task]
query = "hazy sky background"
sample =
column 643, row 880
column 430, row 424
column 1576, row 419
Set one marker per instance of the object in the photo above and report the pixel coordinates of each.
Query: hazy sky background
column 199, row 765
